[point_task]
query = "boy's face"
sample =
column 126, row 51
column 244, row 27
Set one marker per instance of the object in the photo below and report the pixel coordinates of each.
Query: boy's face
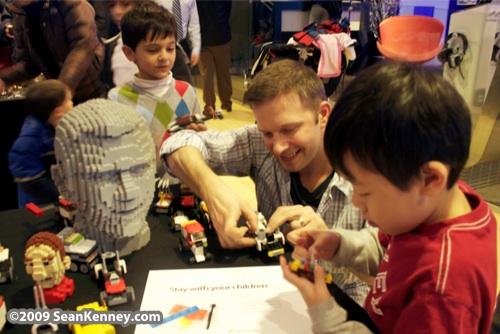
column 154, row 58
column 62, row 110
column 384, row 205
column 292, row 132
column 118, row 8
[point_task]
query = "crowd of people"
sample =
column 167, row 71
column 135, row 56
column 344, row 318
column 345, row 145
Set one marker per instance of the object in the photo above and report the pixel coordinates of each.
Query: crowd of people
column 371, row 186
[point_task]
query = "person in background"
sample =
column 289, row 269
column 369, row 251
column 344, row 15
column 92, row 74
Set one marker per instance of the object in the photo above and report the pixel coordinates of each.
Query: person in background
column 67, row 46
column 283, row 154
column 401, row 134
column 32, row 153
column 6, row 38
column 188, row 26
column 323, row 10
column 149, row 39
column 117, row 69
column 215, row 55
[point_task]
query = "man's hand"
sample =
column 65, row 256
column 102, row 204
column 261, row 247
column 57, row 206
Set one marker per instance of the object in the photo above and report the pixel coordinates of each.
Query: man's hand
column 195, row 58
column 298, row 216
column 313, row 293
column 225, row 208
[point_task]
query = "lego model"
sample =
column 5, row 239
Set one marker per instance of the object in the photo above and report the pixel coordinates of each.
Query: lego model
column 305, row 268
column 273, row 243
column 178, row 219
column 6, row 265
column 40, row 304
column 166, row 197
column 116, row 291
column 82, row 252
column 106, row 164
column 35, row 209
column 49, row 275
column 193, row 238
column 92, row 328
column 191, row 206
column 66, row 211
column 183, row 121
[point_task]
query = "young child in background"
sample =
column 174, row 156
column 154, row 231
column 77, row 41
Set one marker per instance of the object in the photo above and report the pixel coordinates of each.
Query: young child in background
column 32, row 153
column 149, row 40
column 434, row 258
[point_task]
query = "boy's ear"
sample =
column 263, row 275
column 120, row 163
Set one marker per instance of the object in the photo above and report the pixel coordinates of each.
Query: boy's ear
column 129, row 53
column 434, row 176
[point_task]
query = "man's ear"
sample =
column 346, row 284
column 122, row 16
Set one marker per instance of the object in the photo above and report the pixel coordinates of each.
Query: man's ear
column 325, row 110
column 129, row 53
column 434, row 176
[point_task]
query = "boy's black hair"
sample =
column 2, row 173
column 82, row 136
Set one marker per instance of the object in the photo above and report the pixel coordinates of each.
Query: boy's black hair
column 45, row 96
column 144, row 18
column 395, row 117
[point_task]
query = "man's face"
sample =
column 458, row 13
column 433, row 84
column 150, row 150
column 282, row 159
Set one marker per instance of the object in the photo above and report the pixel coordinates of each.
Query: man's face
column 45, row 265
column 118, row 8
column 154, row 58
column 292, row 132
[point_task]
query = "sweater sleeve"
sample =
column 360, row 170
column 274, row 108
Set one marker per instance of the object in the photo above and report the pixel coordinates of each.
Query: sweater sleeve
column 329, row 317
column 360, row 251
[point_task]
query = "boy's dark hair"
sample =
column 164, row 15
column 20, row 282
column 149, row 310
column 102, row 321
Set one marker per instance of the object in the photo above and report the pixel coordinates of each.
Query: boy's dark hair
column 395, row 117
column 144, row 18
column 284, row 77
column 45, row 96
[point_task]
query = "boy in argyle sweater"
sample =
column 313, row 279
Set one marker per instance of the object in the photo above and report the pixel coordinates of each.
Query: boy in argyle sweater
column 149, row 38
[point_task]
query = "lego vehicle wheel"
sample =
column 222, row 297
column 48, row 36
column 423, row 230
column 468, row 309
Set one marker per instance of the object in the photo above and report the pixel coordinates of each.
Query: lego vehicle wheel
column 73, row 267
column 103, row 296
column 181, row 248
column 210, row 226
column 130, row 294
column 192, row 260
column 208, row 256
column 84, row 268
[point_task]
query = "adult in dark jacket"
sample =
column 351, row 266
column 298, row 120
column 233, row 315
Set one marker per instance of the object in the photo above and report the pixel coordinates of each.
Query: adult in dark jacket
column 215, row 55
column 59, row 39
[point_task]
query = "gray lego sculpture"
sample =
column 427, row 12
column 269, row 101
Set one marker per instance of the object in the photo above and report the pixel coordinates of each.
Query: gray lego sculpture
column 106, row 164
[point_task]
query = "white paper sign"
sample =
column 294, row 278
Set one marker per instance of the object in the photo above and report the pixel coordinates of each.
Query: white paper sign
column 247, row 300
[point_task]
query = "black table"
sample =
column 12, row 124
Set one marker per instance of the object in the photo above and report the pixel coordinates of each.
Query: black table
column 16, row 227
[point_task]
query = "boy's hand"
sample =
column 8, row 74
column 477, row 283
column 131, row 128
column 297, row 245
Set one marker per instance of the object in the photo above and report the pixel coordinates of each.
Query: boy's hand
column 299, row 216
column 324, row 243
column 313, row 293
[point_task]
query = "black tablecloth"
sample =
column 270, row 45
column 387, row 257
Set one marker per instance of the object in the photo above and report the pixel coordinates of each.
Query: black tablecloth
column 16, row 226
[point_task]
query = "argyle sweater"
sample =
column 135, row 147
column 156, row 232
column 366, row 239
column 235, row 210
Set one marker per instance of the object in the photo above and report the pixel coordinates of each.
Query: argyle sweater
column 160, row 112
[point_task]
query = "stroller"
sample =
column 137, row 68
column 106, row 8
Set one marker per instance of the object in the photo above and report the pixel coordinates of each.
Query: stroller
column 308, row 54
